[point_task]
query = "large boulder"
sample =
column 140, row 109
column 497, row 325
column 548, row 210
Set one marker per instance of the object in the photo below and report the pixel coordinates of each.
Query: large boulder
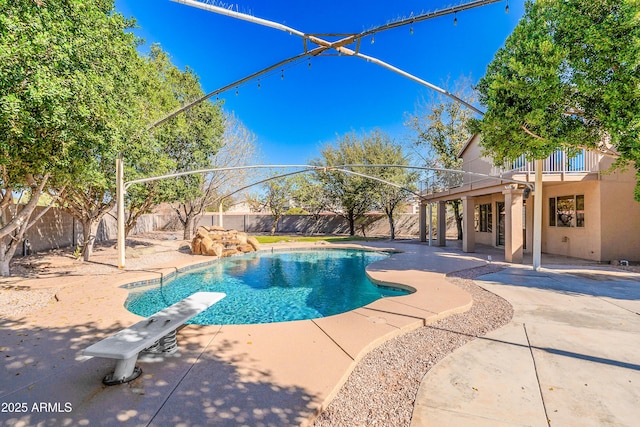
column 215, row 250
column 242, row 237
column 196, row 246
column 216, row 241
column 202, row 232
column 229, row 252
column 205, row 244
column 253, row 242
column 245, row 248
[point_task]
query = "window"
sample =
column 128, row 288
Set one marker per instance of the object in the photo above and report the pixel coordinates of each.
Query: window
column 566, row 211
column 580, row 211
column 483, row 217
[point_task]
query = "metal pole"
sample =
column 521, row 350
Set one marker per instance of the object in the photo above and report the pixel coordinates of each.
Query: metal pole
column 410, row 76
column 120, row 207
column 537, row 217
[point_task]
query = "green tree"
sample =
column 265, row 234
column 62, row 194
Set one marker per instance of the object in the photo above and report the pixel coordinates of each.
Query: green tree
column 276, row 198
column 160, row 87
column 92, row 198
column 441, row 128
column 350, row 196
column 380, row 149
column 64, row 68
column 568, row 77
column 146, row 157
column 308, row 193
column 198, row 138
column 186, row 142
column 178, row 144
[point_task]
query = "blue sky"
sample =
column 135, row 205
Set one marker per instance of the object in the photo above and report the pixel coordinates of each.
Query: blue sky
column 311, row 106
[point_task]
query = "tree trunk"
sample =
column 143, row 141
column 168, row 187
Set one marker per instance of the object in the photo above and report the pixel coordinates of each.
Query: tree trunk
column 89, row 231
column 12, row 232
column 363, row 228
column 188, row 227
column 352, row 223
column 6, row 253
column 127, row 230
column 274, row 226
column 130, row 223
column 392, row 226
column 458, row 216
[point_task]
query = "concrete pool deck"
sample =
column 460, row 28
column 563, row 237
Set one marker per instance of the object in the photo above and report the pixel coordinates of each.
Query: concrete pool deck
column 569, row 357
column 274, row 374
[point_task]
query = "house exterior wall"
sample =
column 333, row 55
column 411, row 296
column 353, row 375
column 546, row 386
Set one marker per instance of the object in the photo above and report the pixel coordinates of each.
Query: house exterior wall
column 473, row 161
column 612, row 221
column 579, row 242
column 620, row 220
column 612, row 217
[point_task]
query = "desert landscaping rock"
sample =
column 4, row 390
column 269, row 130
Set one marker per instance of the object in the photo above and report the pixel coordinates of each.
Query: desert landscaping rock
column 216, row 241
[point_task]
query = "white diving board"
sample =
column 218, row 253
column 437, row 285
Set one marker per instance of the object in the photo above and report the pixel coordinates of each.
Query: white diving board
column 128, row 343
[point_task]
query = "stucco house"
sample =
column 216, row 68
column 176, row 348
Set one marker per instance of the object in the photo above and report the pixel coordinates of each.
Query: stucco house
column 588, row 211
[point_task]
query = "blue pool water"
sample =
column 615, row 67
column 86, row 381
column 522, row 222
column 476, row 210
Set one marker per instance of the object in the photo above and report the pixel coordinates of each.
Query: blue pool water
column 273, row 287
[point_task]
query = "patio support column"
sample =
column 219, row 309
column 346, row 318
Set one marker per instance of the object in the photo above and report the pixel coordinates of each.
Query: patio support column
column 430, row 223
column 468, row 231
column 513, row 226
column 422, row 218
column 441, row 218
column 537, row 217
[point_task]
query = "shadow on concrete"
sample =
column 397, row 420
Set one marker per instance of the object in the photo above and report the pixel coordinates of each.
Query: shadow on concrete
column 555, row 351
column 598, row 283
column 43, row 371
column 213, row 392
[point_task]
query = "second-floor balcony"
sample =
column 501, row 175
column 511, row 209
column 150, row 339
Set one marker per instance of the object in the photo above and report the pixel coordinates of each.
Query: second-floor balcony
column 558, row 167
column 559, row 162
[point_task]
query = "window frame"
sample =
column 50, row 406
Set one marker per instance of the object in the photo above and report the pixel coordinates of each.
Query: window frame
column 483, row 217
column 567, row 211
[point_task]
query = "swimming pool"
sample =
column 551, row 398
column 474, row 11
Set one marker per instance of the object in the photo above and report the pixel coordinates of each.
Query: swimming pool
column 271, row 287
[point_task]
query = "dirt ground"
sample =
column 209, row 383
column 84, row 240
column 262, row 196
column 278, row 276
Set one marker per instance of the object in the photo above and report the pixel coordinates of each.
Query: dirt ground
column 142, row 251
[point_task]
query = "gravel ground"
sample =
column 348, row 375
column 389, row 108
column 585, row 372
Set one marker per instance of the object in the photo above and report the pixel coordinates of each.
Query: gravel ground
column 382, row 388
column 142, row 251
column 17, row 301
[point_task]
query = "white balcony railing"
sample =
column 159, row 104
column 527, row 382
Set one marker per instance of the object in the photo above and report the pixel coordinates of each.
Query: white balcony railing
column 558, row 162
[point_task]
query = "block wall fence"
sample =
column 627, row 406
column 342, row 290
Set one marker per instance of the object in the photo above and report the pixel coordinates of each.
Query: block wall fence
column 57, row 229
